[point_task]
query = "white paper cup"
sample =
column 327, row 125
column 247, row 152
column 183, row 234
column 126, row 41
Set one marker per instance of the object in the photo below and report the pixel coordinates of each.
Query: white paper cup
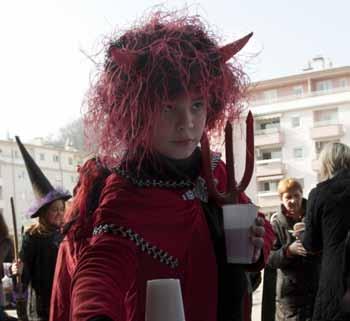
column 164, row 300
column 238, row 218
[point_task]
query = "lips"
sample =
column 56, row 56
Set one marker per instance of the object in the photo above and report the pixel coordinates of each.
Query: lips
column 183, row 141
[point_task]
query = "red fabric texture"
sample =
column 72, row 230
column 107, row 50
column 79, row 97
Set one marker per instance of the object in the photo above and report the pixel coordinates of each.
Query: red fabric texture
column 111, row 276
column 112, row 268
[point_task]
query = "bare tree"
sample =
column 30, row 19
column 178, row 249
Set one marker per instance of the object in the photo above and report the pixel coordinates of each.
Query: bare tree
column 71, row 134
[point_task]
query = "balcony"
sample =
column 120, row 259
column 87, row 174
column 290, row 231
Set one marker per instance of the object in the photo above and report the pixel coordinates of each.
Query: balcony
column 294, row 97
column 269, row 167
column 268, row 137
column 268, row 199
column 326, row 129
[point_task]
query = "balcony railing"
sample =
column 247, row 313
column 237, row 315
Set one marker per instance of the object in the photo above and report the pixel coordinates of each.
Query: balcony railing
column 326, row 130
column 326, row 122
column 269, row 167
column 279, row 99
column 269, row 136
column 268, row 199
column 266, row 131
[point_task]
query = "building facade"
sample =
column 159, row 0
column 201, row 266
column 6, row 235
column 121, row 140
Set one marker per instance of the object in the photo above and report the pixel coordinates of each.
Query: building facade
column 58, row 164
column 295, row 116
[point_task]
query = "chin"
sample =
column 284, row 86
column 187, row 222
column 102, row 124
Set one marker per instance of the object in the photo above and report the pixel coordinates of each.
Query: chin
column 179, row 156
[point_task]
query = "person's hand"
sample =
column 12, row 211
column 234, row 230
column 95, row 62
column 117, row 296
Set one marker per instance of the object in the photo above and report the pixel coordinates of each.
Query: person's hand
column 298, row 229
column 296, row 248
column 257, row 232
column 17, row 268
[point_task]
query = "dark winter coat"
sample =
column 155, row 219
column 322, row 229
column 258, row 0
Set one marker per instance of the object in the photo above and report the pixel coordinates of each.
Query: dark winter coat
column 297, row 276
column 327, row 225
column 39, row 253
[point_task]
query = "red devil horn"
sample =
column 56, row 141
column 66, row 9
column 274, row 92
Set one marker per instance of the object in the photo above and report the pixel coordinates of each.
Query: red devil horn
column 231, row 49
column 124, row 58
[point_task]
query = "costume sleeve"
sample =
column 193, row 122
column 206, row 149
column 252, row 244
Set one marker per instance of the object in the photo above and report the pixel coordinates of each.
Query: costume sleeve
column 60, row 296
column 278, row 258
column 106, row 270
column 312, row 238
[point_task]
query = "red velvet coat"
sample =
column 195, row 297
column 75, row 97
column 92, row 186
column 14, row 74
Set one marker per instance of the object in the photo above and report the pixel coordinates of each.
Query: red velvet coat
column 111, row 276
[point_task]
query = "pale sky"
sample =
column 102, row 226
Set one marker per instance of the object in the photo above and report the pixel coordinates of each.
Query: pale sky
column 44, row 75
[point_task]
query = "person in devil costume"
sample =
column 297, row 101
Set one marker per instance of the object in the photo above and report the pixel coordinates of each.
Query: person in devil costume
column 141, row 209
column 41, row 240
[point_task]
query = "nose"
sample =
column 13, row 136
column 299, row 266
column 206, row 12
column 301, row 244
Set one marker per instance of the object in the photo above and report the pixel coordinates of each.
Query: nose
column 185, row 120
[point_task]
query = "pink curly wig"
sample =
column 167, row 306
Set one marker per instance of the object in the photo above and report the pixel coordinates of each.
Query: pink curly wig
column 149, row 65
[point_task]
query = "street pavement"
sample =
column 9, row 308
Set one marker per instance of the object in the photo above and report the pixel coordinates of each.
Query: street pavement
column 257, row 298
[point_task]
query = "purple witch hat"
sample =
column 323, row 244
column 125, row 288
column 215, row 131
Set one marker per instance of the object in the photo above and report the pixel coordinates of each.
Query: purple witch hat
column 44, row 192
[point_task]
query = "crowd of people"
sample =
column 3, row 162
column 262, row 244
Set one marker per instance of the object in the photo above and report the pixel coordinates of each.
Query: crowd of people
column 141, row 209
column 307, row 276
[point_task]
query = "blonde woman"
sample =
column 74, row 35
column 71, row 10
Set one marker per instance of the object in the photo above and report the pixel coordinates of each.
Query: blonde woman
column 327, row 226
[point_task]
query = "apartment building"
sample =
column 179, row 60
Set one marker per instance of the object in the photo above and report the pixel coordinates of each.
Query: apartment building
column 58, row 164
column 295, row 116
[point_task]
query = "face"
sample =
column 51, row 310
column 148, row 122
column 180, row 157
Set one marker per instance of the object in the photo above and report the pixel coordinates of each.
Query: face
column 55, row 213
column 180, row 126
column 292, row 201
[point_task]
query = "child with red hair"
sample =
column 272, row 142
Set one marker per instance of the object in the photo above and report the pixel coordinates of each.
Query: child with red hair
column 141, row 210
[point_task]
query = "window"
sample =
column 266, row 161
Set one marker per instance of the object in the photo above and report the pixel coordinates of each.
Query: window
column 298, row 90
column 343, row 83
column 42, row 156
column 70, row 160
column 326, row 117
column 21, row 175
column 269, row 123
column 321, row 144
column 16, row 154
column 295, row 121
column 298, row 152
column 268, row 186
column 270, row 95
column 55, row 158
column 1, row 196
column 266, row 154
column 323, row 85
column 0, row 170
column 72, row 179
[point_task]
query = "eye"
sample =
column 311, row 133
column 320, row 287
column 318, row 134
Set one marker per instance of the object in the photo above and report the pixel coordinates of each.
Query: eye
column 168, row 108
column 198, row 105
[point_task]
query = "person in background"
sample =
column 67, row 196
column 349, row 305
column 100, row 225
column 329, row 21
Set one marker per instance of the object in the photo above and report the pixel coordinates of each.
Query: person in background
column 297, row 270
column 163, row 84
column 6, row 256
column 327, row 227
column 40, row 241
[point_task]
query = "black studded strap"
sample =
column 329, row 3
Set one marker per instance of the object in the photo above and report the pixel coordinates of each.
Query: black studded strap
column 158, row 254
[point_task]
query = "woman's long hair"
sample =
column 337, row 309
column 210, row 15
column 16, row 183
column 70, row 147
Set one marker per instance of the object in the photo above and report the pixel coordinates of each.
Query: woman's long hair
column 42, row 226
column 4, row 231
column 334, row 157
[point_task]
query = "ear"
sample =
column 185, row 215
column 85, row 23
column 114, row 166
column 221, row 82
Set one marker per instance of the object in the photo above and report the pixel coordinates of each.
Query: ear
column 228, row 51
